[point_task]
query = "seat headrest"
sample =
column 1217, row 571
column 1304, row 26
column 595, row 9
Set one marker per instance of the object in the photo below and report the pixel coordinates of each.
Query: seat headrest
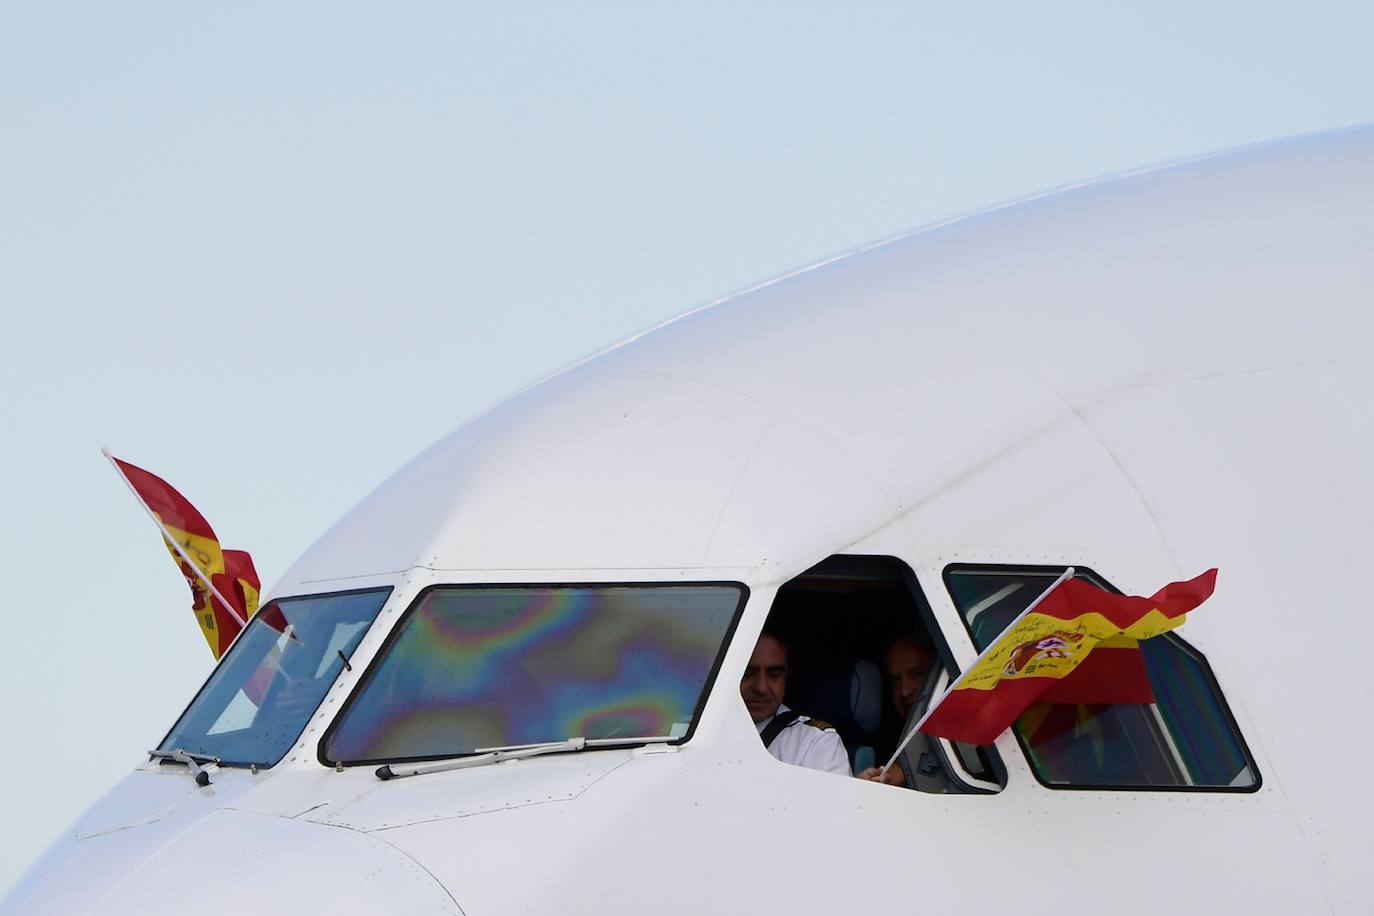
column 849, row 696
column 866, row 695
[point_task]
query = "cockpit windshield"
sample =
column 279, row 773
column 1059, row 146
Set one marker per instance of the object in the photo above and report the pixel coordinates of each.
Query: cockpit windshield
column 497, row 666
column 271, row 681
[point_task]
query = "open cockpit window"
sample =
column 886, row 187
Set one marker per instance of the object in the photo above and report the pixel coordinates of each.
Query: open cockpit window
column 259, row 698
column 499, row 666
column 860, row 658
column 1185, row 740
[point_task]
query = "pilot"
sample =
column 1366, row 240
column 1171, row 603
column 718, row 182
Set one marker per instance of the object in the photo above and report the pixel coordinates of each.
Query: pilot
column 789, row 736
column 906, row 664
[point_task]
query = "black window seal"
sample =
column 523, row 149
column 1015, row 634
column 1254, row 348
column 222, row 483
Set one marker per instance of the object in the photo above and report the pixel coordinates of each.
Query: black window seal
column 396, row 629
column 385, row 590
column 1102, row 582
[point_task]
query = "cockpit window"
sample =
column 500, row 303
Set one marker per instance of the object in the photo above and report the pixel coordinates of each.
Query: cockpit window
column 1185, row 740
column 258, row 700
column 496, row 666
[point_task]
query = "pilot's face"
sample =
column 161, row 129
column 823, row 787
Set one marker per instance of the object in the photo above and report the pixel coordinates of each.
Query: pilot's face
column 906, row 666
column 765, row 679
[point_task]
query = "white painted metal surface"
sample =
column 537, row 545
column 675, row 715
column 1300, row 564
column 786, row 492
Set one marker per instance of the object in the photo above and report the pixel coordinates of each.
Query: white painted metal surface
column 1147, row 375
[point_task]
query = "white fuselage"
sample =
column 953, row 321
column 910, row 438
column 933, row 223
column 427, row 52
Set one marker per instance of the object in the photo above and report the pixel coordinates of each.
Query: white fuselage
column 1149, row 376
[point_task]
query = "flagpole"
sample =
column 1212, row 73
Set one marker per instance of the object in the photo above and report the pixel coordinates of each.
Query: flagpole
column 181, row 551
column 1066, row 575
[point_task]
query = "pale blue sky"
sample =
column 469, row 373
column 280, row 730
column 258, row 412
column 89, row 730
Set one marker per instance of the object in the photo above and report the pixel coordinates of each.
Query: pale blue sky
column 271, row 252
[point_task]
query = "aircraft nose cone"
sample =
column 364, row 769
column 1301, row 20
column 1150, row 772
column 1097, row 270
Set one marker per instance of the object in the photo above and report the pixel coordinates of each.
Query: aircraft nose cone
column 229, row 862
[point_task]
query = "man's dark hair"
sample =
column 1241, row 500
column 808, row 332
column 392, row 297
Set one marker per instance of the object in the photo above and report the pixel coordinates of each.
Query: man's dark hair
column 772, row 629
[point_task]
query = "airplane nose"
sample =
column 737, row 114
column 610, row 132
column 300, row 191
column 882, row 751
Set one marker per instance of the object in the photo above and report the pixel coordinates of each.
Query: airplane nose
column 229, row 862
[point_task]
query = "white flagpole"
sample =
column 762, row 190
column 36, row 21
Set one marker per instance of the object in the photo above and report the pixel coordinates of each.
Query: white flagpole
column 181, row 551
column 1067, row 574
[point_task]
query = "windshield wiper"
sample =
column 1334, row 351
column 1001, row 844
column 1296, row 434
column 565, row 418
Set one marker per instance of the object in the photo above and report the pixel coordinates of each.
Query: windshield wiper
column 485, row 756
column 193, row 762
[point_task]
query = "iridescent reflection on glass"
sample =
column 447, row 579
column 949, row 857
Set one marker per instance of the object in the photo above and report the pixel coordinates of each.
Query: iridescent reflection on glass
column 491, row 667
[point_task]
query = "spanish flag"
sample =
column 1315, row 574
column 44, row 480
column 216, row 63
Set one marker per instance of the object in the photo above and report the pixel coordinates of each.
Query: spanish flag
column 1076, row 644
column 224, row 584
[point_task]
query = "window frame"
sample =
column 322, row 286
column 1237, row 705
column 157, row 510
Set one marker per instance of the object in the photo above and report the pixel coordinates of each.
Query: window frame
column 1205, row 666
column 386, row 590
column 392, row 636
column 944, row 655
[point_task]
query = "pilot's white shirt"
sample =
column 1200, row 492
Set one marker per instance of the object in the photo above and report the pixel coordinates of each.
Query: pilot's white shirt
column 805, row 745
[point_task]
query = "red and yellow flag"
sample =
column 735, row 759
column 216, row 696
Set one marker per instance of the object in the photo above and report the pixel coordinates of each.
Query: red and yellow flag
column 230, row 572
column 1078, row 644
